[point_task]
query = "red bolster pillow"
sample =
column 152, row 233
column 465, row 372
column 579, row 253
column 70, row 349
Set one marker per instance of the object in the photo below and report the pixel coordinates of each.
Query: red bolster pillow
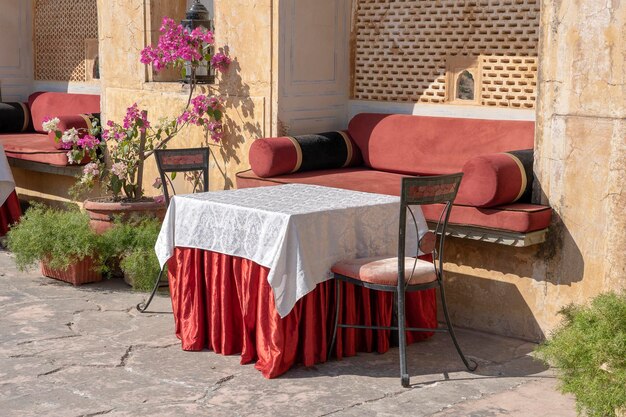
column 284, row 155
column 497, row 179
column 77, row 121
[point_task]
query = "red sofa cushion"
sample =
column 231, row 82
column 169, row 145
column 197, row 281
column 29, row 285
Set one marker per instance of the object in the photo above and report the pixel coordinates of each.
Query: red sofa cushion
column 78, row 121
column 34, row 147
column 283, row 155
column 514, row 217
column 52, row 104
column 358, row 179
column 522, row 218
column 497, row 179
column 433, row 145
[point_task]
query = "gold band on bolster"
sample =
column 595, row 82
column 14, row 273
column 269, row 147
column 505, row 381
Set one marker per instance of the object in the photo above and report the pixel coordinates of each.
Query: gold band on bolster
column 296, row 145
column 26, row 116
column 345, row 137
column 522, row 171
column 87, row 119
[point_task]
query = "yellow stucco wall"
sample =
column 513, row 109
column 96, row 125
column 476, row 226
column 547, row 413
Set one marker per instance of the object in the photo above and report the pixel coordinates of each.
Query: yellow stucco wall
column 247, row 87
column 580, row 166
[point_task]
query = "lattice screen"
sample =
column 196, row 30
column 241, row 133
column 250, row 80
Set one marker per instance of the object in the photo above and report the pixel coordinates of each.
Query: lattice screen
column 60, row 29
column 401, row 47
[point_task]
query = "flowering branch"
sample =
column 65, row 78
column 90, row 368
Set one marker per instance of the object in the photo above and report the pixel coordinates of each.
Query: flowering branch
column 130, row 143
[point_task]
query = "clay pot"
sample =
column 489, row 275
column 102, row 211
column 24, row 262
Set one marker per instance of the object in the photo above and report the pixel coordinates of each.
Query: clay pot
column 78, row 273
column 103, row 212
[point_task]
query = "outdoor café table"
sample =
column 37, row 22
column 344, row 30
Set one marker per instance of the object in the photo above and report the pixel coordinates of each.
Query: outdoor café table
column 248, row 272
column 10, row 211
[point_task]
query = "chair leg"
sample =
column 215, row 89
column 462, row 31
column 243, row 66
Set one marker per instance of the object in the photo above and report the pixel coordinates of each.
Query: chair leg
column 337, row 301
column 404, row 373
column 470, row 366
column 143, row 306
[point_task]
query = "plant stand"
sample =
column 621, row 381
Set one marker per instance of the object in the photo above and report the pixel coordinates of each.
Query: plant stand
column 78, row 273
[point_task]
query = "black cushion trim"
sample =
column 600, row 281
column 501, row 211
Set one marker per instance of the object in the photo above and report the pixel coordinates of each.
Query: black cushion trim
column 14, row 117
column 524, row 159
column 322, row 151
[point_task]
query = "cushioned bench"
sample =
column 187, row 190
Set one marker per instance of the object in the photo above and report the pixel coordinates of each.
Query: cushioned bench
column 25, row 142
column 494, row 202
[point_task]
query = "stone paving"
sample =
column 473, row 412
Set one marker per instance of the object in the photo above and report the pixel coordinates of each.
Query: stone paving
column 86, row 351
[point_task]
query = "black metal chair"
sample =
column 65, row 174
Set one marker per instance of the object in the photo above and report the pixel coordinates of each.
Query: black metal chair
column 173, row 161
column 405, row 274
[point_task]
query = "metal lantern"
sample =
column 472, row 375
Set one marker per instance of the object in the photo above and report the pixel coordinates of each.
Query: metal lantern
column 198, row 16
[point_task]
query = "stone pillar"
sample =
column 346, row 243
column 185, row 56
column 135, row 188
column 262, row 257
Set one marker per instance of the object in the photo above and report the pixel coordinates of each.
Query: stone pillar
column 581, row 146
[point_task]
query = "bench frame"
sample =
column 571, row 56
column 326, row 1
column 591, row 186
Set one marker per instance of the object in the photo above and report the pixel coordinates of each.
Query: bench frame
column 68, row 171
column 501, row 237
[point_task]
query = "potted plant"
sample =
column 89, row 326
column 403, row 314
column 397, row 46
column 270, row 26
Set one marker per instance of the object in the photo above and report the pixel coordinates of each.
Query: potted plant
column 131, row 242
column 589, row 352
column 126, row 145
column 61, row 240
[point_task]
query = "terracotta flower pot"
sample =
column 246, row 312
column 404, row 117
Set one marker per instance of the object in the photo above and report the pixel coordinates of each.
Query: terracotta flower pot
column 103, row 212
column 78, row 273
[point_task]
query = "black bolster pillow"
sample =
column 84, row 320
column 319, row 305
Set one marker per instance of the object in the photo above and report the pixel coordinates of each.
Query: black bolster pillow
column 14, row 117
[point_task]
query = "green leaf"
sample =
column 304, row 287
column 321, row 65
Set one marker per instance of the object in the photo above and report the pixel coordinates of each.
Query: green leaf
column 217, row 114
column 116, row 185
column 173, row 176
column 183, row 72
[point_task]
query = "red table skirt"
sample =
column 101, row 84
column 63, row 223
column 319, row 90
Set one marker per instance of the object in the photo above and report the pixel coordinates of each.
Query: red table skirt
column 225, row 304
column 10, row 213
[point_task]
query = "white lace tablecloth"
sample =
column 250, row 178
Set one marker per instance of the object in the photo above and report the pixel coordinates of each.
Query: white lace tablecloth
column 7, row 184
column 298, row 231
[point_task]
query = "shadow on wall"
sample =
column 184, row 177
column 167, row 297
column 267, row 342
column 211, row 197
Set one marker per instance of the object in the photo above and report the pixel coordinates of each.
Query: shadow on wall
column 477, row 303
column 239, row 123
column 558, row 260
column 480, row 300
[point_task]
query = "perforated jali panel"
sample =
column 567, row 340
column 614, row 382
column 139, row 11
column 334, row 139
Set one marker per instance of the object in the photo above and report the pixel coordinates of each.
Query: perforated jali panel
column 60, row 29
column 400, row 49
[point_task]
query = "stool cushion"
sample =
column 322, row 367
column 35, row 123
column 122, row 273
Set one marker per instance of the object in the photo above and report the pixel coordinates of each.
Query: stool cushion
column 383, row 270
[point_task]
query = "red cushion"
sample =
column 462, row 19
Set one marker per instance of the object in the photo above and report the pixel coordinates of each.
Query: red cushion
column 51, row 104
column 33, row 147
column 513, row 217
column 522, row 218
column 433, row 145
column 358, row 179
column 494, row 180
column 78, row 121
column 283, row 155
column 383, row 270
column 272, row 156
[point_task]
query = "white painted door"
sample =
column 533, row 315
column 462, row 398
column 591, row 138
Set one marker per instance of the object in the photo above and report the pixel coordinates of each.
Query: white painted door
column 16, row 50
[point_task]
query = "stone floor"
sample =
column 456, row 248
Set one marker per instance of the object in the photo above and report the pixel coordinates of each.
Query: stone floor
column 86, row 351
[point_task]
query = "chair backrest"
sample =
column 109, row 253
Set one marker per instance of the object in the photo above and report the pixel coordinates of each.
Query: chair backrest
column 440, row 189
column 190, row 160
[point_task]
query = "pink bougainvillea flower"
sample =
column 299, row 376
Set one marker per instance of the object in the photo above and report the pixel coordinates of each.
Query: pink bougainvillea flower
column 135, row 116
column 88, row 142
column 216, row 130
column 221, row 62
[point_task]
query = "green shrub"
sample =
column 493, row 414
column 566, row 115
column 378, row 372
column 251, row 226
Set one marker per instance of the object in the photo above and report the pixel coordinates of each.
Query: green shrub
column 589, row 350
column 60, row 236
column 132, row 242
column 63, row 237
